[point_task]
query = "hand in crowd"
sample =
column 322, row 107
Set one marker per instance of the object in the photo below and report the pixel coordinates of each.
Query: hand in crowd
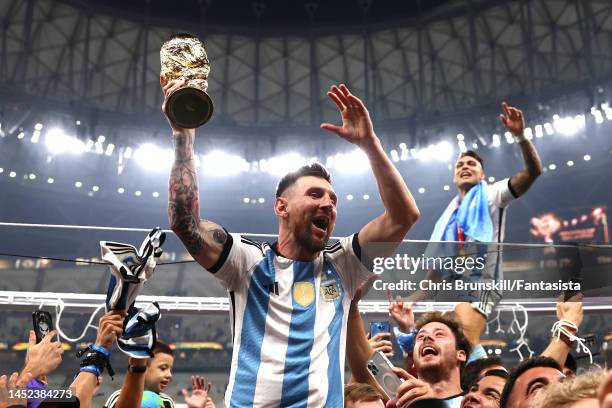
column 362, row 291
column 411, row 390
column 401, row 312
column 199, row 397
column 9, row 387
column 571, row 310
column 380, row 342
column 110, row 328
column 44, row 357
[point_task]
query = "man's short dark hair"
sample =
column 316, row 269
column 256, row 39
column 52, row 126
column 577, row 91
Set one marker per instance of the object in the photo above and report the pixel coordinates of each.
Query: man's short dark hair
column 461, row 342
column 473, row 154
column 161, row 347
column 310, row 169
column 471, row 372
column 357, row 392
column 528, row 364
column 570, row 363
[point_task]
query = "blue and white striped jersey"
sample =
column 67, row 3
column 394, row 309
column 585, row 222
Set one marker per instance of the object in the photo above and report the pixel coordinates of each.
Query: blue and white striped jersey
column 288, row 322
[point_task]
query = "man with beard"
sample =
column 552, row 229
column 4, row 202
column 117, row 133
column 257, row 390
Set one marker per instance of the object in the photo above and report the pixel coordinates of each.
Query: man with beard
column 290, row 299
column 440, row 352
column 486, row 392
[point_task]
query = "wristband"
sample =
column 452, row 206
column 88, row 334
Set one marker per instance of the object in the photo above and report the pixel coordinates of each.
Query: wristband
column 100, row 349
column 95, row 360
column 137, row 369
column 561, row 330
column 91, row 369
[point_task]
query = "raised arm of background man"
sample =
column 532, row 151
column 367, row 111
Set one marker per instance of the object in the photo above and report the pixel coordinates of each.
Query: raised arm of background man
column 110, row 327
column 513, row 120
column 401, row 211
column 203, row 239
column 571, row 310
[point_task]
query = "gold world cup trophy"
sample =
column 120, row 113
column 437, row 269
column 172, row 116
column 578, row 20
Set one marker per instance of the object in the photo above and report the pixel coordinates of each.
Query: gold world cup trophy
column 183, row 57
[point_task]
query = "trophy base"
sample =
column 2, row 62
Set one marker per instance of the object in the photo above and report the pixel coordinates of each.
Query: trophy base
column 189, row 108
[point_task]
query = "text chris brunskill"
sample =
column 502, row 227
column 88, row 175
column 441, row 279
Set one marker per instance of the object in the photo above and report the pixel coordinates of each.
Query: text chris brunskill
column 458, row 285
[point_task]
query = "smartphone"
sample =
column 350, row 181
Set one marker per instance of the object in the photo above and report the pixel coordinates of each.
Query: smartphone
column 382, row 370
column 43, row 324
column 379, row 327
column 606, row 350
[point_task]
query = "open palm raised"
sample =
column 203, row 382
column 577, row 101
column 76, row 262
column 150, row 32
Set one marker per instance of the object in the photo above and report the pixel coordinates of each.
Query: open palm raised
column 356, row 123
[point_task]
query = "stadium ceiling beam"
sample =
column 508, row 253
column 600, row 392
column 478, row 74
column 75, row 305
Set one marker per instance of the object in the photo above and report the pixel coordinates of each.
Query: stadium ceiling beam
column 286, row 87
column 68, row 48
column 585, row 23
column 409, row 77
column 21, row 68
column 127, row 92
column 6, row 24
column 473, row 54
column 470, row 62
column 225, row 79
column 526, row 23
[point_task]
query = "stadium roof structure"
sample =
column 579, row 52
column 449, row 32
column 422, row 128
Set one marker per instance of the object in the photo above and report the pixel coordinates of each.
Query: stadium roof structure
column 272, row 61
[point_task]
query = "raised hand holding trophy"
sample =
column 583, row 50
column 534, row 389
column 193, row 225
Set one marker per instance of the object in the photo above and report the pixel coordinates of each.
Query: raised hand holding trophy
column 183, row 57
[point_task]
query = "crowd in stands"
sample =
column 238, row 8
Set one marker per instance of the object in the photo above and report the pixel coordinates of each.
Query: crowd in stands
column 444, row 366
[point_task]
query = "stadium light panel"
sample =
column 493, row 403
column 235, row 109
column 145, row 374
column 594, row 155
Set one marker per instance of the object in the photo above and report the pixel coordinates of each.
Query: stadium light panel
column 353, row 162
column 35, row 136
column 539, row 132
column 127, row 153
column 394, row 155
column 496, row 141
column 151, row 157
column 58, row 142
column 221, row 163
column 548, row 128
column 280, row 165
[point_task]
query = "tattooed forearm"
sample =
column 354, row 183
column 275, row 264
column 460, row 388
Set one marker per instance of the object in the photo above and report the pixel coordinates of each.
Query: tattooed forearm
column 184, row 205
column 523, row 180
column 185, row 225
column 533, row 165
column 183, row 147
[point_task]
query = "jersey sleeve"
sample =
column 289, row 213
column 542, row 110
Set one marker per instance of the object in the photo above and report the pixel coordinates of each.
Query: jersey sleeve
column 167, row 400
column 112, row 400
column 347, row 257
column 238, row 257
column 500, row 194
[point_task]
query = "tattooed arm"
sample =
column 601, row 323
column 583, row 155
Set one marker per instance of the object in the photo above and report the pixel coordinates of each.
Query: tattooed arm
column 203, row 239
column 513, row 120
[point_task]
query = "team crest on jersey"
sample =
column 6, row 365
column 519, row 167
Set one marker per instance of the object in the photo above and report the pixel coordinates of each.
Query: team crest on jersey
column 330, row 289
column 303, row 293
